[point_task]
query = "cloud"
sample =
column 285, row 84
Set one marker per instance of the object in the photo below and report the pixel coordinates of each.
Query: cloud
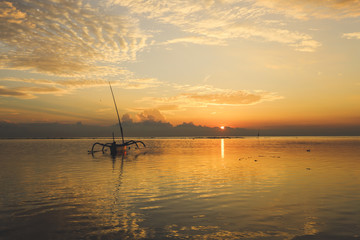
column 141, row 83
column 206, row 95
column 353, row 35
column 218, row 22
column 7, row 111
column 305, row 9
column 66, row 38
column 299, row 41
column 146, row 115
column 127, row 118
column 197, row 40
column 81, row 39
column 69, row 83
column 29, row 92
column 60, row 87
column 230, row 98
column 9, row 13
column 6, row 92
column 168, row 107
column 153, row 115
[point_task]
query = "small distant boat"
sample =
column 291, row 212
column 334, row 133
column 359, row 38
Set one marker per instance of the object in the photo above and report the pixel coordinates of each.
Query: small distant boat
column 115, row 148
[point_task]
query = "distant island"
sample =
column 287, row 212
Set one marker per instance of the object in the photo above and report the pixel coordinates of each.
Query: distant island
column 162, row 129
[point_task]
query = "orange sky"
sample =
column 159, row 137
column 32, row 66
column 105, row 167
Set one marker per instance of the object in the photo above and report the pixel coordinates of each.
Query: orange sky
column 252, row 64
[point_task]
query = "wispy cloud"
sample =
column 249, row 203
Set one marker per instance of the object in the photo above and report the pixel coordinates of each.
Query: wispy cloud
column 197, row 40
column 299, row 41
column 305, row 9
column 206, row 95
column 353, row 35
column 14, row 92
column 60, row 87
column 228, row 98
column 233, row 98
column 29, row 92
column 76, row 38
column 65, row 37
column 217, row 22
column 140, row 83
column 8, row 111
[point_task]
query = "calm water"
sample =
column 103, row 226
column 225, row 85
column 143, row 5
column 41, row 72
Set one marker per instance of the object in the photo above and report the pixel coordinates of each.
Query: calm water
column 266, row 188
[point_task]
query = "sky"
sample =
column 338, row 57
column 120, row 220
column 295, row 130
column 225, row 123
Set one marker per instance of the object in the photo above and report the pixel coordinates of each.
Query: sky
column 237, row 63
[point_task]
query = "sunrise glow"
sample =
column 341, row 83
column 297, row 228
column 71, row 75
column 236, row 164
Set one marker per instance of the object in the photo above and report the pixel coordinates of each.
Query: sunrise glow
column 180, row 119
column 259, row 64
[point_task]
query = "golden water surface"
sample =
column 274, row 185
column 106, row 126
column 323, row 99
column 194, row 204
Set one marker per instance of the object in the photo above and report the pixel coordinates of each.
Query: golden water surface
column 242, row 188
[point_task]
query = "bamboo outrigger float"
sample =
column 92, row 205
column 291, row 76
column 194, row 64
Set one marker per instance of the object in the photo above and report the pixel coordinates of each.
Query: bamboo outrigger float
column 115, row 148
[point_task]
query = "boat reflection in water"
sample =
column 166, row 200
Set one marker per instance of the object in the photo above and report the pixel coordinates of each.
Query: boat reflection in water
column 251, row 188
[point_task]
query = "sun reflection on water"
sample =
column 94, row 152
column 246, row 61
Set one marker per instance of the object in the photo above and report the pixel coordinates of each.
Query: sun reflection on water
column 181, row 188
column 222, row 148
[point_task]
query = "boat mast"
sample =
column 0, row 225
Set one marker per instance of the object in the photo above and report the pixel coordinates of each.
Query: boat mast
column 117, row 112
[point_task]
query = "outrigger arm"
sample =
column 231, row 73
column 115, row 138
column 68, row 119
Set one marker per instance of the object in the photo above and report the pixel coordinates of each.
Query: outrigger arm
column 116, row 148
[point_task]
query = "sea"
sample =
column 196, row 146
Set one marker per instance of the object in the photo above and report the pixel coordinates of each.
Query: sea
column 276, row 188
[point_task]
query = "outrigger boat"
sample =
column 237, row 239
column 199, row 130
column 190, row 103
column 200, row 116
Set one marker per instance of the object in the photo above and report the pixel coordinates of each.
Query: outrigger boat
column 115, row 148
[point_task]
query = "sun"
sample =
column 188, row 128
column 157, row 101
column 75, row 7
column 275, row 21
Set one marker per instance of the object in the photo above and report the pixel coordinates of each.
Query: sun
column 222, row 127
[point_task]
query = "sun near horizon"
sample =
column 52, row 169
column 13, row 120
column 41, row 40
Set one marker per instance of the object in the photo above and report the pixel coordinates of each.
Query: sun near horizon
column 165, row 64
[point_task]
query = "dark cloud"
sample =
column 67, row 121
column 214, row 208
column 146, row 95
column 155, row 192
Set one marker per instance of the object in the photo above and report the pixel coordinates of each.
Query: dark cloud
column 126, row 118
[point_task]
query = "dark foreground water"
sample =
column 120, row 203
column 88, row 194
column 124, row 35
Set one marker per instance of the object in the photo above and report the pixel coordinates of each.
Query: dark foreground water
column 266, row 188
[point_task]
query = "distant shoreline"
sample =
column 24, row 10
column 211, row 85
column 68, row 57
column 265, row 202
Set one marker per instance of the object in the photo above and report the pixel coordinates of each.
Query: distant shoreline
column 173, row 137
